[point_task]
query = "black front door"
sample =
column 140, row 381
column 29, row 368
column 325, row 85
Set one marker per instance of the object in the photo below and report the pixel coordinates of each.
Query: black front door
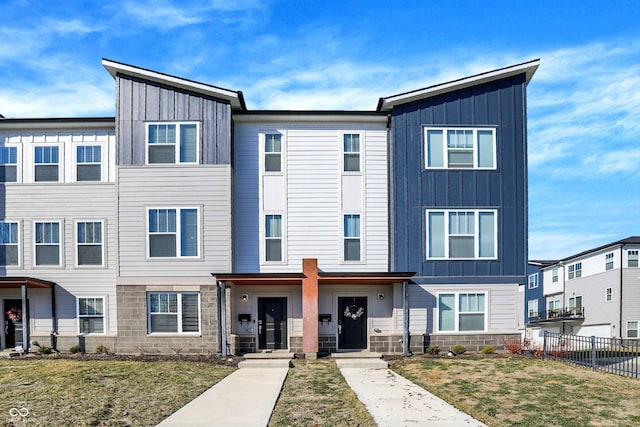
column 352, row 323
column 272, row 323
column 13, row 322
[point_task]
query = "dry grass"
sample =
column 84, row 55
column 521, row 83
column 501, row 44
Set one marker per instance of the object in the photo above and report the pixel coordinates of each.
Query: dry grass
column 66, row 392
column 518, row 391
column 316, row 394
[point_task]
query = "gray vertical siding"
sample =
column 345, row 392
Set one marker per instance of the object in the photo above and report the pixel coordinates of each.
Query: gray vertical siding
column 500, row 104
column 139, row 101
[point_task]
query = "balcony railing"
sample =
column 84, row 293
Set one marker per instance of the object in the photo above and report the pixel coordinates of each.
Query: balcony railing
column 558, row 315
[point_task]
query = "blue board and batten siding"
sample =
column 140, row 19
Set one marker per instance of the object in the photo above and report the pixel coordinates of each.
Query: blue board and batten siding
column 500, row 104
column 140, row 101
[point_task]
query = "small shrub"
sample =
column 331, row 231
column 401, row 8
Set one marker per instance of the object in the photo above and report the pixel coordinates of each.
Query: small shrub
column 536, row 350
column 75, row 349
column 488, row 349
column 513, row 345
column 459, row 349
column 101, row 349
column 44, row 349
column 433, row 349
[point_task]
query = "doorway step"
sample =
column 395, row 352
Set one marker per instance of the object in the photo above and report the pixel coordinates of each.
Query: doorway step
column 364, row 359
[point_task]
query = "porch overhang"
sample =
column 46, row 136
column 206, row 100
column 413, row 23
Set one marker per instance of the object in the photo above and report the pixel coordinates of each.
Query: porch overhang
column 324, row 278
column 30, row 282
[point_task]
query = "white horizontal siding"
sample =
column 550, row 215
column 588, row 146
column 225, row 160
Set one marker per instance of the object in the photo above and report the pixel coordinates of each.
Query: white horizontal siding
column 207, row 187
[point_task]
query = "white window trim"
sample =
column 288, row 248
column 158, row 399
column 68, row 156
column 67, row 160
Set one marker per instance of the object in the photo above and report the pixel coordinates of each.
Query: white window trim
column 457, row 311
column 362, row 259
column 178, row 233
column 360, row 153
column 636, row 253
column 533, row 312
column 608, row 294
column 626, row 330
column 19, row 163
column 263, row 239
column 476, row 219
column 103, row 162
column 573, row 270
column 60, row 243
column 536, row 281
column 445, row 153
column 609, row 258
column 262, row 150
column 61, row 162
column 104, row 314
column 178, row 313
column 177, row 143
column 76, row 244
column 19, row 244
column 554, row 275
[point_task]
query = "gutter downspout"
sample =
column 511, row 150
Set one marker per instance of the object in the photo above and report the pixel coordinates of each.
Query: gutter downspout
column 222, row 317
column 54, row 320
column 620, row 307
column 406, row 336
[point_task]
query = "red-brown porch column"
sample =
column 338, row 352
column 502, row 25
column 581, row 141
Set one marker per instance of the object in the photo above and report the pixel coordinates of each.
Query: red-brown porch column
column 310, row 308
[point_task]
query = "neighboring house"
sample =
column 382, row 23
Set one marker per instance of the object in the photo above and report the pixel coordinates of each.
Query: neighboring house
column 592, row 293
column 458, row 205
column 188, row 223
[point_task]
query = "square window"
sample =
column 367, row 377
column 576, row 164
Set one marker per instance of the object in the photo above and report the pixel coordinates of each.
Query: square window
column 173, row 233
column 8, row 164
column 89, row 163
column 89, row 243
column 461, row 234
column 460, row 148
column 273, row 237
column 46, row 164
column 533, row 281
column 352, row 238
column 91, row 315
column 9, row 244
column 351, row 147
column 47, row 243
column 609, row 261
column 174, row 312
column 273, row 152
column 172, row 143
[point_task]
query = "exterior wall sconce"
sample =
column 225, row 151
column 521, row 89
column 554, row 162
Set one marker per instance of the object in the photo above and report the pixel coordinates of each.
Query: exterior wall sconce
column 244, row 297
column 380, row 296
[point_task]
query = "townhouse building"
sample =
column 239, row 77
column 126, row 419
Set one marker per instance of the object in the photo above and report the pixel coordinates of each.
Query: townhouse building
column 188, row 223
column 592, row 293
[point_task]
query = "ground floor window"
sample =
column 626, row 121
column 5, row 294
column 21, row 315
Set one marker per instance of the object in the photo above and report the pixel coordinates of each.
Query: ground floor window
column 632, row 329
column 174, row 312
column 458, row 312
column 91, row 315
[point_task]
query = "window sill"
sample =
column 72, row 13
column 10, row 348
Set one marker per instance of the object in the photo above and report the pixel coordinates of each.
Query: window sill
column 175, row 334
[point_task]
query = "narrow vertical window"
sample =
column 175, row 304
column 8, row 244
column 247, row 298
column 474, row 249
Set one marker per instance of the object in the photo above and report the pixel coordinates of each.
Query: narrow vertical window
column 46, row 164
column 273, row 237
column 608, row 294
column 533, row 281
column 532, row 305
column 9, row 243
column 446, row 312
column 8, row 164
column 351, row 147
column 88, row 163
column 352, row 238
column 89, row 243
column 273, row 152
column 632, row 260
column 91, row 315
column 554, row 274
column 632, row 329
column 608, row 263
column 460, row 147
column 471, row 312
column 47, row 242
column 461, row 235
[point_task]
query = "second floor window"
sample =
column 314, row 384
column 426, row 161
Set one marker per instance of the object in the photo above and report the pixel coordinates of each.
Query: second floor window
column 273, row 237
column 172, row 143
column 554, row 274
column 608, row 261
column 9, row 243
column 458, row 148
column 352, row 238
column 89, row 243
column 632, row 260
column 46, row 164
column 575, row 270
column 88, row 163
column 273, row 152
column 533, row 281
column 47, row 242
column 461, row 234
column 173, row 233
column 8, row 164
column 351, row 146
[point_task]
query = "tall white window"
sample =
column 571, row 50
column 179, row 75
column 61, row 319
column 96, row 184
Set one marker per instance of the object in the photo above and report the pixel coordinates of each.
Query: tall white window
column 554, row 305
column 460, row 148
column 351, row 148
column 461, row 234
column 554, row 274
column 608, row 264
column 461, row 312
column 174, row 312
column 91, row 315
column 273, row 152
column 632, row 260
column 575, row 303
column 632, row 329
column 8, row 164
column 533, row 281
column 9, row 244
column 173, row 233
column 532, row 306
column 46, row 163
column 89, row 163
column 89, row 243
column 273, row 237
column 172, row 142
column 575, row 270
column 47, row 243
column 352, row 246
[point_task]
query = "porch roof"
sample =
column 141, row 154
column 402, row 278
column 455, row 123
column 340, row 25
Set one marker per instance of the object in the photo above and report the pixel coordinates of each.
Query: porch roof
column 324, row 278
column 16, row 282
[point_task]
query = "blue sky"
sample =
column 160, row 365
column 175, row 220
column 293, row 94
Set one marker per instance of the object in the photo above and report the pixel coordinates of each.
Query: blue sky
column 583, row 102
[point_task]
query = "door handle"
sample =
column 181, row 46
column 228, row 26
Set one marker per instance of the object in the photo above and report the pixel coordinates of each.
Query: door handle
column 339, row 329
